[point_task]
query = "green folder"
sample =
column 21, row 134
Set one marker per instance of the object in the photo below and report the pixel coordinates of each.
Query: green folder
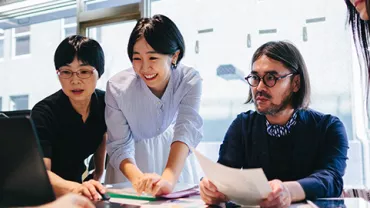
column 131, row 196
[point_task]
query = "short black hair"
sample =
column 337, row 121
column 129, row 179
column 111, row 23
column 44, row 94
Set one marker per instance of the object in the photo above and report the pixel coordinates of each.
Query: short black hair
column 87, row 50
column 161, row 33
column 287, row 54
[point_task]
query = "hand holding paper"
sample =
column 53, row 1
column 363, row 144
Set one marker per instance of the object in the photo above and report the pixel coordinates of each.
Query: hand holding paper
column 279, row 197
column 245, row 187
column 210, row 194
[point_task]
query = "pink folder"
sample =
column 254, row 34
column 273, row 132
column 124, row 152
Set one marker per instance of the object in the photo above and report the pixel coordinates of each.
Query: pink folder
column 183, row 193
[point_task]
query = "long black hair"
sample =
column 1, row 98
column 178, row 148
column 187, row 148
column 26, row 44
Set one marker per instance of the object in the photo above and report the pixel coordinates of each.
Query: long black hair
column 361, row 35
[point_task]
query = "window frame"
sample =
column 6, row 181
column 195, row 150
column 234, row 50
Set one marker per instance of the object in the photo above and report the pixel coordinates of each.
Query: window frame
column 11, row 100
column 2, row 37
column 65, row 26
column 14, row 43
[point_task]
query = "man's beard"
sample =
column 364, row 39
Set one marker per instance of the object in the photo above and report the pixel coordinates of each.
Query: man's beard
column 274, row 109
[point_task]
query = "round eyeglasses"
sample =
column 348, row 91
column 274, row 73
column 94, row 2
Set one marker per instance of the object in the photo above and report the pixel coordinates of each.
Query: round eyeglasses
column 82, row 73
column 268, row 79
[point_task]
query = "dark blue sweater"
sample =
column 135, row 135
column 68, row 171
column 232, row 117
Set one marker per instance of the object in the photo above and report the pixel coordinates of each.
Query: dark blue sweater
column 314, row 154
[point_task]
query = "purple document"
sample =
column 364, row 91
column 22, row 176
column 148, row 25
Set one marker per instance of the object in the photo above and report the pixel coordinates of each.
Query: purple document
column 182, row 193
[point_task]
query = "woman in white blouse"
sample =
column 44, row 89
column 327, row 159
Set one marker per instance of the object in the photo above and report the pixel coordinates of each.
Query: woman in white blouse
column 152, row 112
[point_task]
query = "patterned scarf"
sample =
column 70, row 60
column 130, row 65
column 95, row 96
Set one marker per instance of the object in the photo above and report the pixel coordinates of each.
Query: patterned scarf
column 276, row 130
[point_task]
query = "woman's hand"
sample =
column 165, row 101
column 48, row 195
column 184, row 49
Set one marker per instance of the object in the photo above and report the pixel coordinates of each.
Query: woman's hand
column 154, row 184
column 90, row 189
column 162, row 187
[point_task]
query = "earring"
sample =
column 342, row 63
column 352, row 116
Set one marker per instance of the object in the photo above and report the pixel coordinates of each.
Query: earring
column 174, row 65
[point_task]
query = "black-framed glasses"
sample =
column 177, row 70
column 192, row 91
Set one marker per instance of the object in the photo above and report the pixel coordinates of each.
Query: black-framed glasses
column 269, row 79
column 82, row 73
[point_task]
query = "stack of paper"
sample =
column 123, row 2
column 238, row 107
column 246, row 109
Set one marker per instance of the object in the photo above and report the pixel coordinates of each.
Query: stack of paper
column 244, row 187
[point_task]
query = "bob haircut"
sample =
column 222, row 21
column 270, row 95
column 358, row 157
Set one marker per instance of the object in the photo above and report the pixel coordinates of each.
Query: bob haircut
column 161, row 34
column 87, row 50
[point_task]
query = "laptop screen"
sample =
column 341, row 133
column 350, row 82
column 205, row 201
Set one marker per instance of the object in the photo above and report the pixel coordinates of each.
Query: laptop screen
column 23, row 177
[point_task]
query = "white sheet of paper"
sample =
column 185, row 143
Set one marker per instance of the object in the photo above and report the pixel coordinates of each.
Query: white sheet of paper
column 244, row 187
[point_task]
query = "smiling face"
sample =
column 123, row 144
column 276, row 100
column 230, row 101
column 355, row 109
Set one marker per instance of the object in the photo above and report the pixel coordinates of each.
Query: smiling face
column 360, row 6
column 272, row 100
column 76, row 88
column 154, row 68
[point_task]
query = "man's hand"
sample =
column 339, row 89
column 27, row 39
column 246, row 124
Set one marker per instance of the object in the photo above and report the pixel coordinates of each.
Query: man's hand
column 210, row 194
column 279, row 197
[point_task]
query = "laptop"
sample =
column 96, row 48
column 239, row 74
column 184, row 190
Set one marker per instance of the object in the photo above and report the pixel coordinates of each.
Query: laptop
column 23, row 177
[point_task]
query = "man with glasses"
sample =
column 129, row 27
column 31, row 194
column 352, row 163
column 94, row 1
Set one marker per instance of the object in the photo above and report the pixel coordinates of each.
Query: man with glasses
column 70, row 123
column 302, row 152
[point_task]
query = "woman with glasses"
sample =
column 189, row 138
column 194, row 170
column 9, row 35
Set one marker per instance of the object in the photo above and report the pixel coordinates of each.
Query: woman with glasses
column 70, row 123
column 152, row 111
